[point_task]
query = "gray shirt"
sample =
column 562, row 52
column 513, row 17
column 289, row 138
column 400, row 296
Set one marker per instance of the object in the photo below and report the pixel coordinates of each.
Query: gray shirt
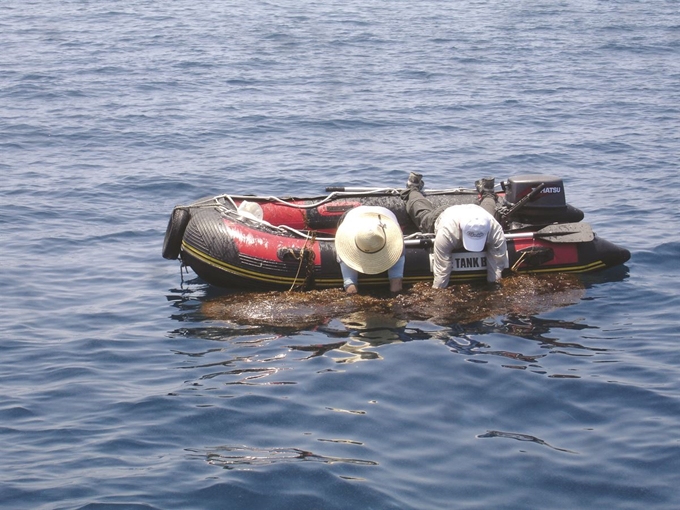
column 449, row 237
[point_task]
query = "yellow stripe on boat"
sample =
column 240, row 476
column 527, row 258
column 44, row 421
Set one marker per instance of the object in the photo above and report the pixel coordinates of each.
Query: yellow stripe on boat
column 369, row 280
column 593, row 266
column 238, row 271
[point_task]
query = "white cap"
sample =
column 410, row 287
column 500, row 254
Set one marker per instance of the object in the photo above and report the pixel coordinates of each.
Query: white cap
column 475, row 228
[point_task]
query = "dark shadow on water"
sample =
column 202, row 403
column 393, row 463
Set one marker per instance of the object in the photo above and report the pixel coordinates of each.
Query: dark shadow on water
column 613, row 274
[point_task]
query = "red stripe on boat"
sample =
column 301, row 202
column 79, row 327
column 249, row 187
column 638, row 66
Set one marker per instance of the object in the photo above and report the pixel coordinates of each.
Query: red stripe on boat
column 265, row 246
column 565, row 253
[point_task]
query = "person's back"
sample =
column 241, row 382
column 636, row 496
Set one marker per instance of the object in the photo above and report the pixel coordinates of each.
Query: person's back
column 467, row 226
column 472, row 228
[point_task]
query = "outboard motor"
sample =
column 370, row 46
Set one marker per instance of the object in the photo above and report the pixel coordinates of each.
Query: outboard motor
column 549, row 205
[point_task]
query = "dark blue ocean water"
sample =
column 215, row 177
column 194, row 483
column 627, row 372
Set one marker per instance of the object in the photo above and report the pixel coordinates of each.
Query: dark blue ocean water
column 118, row 391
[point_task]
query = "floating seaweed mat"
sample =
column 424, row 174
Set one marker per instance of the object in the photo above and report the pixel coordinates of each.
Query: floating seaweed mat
column 465, row 303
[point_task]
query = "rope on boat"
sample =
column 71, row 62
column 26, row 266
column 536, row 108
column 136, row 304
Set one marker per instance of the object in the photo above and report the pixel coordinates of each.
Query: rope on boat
column 313, row 237
column 310, row 263
column 228, row 198
column 215, row 201
column 299, row 233
column 332, row 196
column 415, row 236
column 520, row 259
column 285, row 228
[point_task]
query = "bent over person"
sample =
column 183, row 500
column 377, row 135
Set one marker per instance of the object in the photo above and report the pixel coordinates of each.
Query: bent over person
column 467, row 226
column 369, row 240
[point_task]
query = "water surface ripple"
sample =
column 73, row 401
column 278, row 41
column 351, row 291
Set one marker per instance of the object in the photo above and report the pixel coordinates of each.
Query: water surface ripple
column 127, row 385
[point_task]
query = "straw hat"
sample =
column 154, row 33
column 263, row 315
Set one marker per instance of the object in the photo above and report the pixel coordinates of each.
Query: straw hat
column 369, row 242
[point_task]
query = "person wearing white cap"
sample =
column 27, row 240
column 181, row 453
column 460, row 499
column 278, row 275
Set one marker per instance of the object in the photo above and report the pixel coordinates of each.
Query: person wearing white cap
column 467, row 226
column 369, row 240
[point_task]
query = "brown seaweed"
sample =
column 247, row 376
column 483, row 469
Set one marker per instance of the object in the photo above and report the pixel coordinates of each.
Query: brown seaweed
column 463, row 303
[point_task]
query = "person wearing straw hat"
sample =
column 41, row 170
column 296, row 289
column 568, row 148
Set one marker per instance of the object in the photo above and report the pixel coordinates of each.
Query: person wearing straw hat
column 467, row 226
column 369, row 240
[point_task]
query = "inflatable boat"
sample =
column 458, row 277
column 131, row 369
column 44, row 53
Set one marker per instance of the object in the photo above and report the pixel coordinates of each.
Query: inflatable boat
column 265, row 242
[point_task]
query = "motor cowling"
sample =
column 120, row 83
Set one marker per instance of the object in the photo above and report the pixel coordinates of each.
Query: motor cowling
column 552, row 194
column 549, row 206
